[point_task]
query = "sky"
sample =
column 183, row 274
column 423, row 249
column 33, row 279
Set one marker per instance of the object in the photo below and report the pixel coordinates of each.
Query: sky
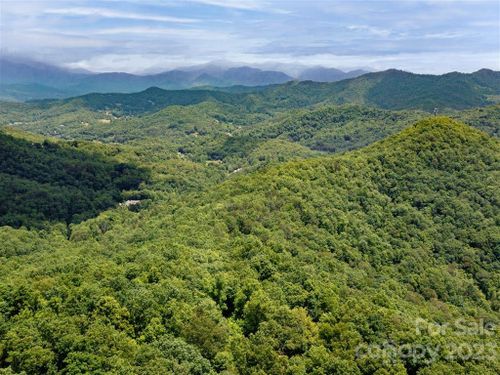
column 140, row 36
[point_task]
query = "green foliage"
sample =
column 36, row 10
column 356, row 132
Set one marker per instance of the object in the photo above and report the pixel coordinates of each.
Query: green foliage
column 152, row 100
column 326, row 128
column 289, row 269
column 390, row 89
column 246, row 258
column 47, row 181
column 486, row 119
column 397, row 90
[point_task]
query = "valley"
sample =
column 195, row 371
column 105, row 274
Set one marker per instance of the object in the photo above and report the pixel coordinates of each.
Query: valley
column 275, row 230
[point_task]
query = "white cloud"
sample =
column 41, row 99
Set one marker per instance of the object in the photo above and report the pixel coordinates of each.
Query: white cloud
column 48, row 44
column 444, row 35
column 132, row 63
column 200, row 34
column 418, row 36
column 107, row 13
column 255, row 5
column 235, row 4
column 377, row 31
column 416, row 62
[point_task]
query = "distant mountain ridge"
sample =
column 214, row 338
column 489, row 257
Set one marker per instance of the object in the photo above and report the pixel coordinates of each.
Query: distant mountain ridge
column 390, row 89
column 27, row 80
column 322, row 74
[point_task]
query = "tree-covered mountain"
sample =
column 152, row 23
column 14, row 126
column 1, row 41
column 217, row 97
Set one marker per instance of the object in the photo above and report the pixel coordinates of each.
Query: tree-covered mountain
column 322, row 74
column 26, row 80
column 397, row 89
column 339, row 264
column 390, row 89
column 393, row 89
column 234, row 127
column 43, row 182
column 227, row 133
column 297, row 228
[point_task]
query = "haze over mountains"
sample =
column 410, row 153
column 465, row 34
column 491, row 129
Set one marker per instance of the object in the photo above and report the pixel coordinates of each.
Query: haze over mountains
column 322, row 74
column 24, row 80
column 28, row 80
column 249, row 187
column 391, row 89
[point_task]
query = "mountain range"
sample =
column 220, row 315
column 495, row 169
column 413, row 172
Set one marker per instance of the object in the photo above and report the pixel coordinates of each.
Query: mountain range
column 294, row 228
column 391, row 89
column 27, row 80
column 322, row 74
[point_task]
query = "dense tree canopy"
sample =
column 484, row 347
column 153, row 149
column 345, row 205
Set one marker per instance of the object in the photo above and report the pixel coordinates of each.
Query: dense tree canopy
column 46, row 181
column 304, row 228
column 328, row 265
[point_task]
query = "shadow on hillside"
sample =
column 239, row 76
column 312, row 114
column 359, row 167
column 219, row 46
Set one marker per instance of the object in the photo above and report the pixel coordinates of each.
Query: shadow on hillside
column 49, row 182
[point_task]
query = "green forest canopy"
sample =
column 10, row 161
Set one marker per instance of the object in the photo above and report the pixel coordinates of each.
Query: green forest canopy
column 289, row 269
column 45, row 181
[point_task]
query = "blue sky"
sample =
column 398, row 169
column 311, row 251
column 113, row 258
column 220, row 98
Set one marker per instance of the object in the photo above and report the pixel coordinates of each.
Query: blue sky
column 153, row 35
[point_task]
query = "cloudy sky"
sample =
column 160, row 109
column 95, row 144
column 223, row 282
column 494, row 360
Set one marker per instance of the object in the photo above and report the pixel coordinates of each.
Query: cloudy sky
column 153, row 35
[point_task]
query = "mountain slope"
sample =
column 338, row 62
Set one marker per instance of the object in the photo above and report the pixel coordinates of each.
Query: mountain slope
column 420, row 207
column 331, row 128
column 397, row 89
column 486, row 119
column 152, row 100
column 31, row 72
column 44, row 182
column 30, row 91
column 389, row 90
column 334, row 265
column 392, row 89
column 321, row 74
column 253, row 77
column 71, row 83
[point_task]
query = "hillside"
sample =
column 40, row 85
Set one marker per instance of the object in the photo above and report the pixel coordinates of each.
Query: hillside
column 152, row 99
column 486, row 119
column 228, row 133
column 397, row 90
column 27, row 80
column 387, row 90
column 325, row 128
column 298, row 268
column 43, row 182
column 393, row 89
column 390, row 89
column 321, row 74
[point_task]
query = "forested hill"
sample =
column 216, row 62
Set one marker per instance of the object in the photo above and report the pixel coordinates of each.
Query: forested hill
column 391, row 89
column 151, row 100
column 397, row 89
column 43, row 182
column 320, row 266
column 431, row 188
